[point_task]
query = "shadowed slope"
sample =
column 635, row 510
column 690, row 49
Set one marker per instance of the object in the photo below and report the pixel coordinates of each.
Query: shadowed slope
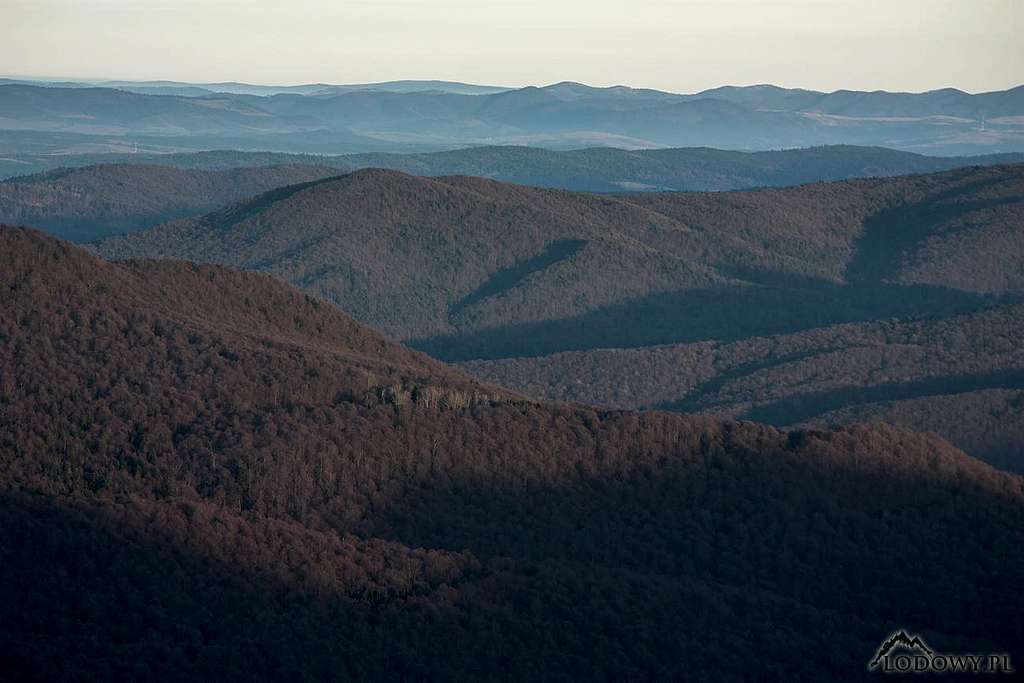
column 400, row 252
column 210, row 456
column 948, row 367
column 472, row 269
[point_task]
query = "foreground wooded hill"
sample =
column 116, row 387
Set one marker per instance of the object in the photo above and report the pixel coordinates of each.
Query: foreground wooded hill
column 786, row 296
column 207, row 474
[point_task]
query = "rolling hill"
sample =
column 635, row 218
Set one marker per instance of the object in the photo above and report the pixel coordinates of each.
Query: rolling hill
column 419, row 256
column 207, row 474
column 86, row 203
column 471, row 269
column 683, row 169
column 590, row 170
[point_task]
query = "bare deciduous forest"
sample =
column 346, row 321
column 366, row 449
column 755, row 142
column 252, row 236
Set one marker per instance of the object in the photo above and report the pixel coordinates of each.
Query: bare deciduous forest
column 208, row 474
column 894, row 299
column 377, row 349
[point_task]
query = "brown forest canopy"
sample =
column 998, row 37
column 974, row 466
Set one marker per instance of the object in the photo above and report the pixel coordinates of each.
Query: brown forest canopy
column 208, row 474
column 961, row 376
column 882, row 298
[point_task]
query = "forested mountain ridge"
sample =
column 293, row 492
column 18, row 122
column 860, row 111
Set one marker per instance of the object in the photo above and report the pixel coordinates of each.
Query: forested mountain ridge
column 598, row 169
column 471, row 269
column 418, row 257
column 195, row 483
column 84, row 204
column 140, row 191
column 249, row 312
column 607, row 169
column 404, row 253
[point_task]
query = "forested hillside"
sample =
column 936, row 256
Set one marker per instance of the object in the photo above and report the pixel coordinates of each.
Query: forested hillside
column 84, row 204
column 141, row 191
column 206, row 474
column 470, row 269
column 961, row 376
column 683, row 169
column 599, row 169
column 450, row 258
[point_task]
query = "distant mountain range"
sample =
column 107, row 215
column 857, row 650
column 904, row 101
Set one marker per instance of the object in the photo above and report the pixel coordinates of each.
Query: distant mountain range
column 233, row 88
column 433, row 115
column 470, row 269
column 207, row 475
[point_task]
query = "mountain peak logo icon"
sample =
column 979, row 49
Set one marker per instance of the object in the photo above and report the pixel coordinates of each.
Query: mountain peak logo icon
column 900, row 639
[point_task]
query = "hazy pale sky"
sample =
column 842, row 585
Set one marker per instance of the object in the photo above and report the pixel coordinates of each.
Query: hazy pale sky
column 678, row 45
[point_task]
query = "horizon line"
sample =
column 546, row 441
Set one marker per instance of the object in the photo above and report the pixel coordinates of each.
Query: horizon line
column 105, row 81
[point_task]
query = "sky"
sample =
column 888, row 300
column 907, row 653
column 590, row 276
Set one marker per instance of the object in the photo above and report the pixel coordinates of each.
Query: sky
column 680, row 45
